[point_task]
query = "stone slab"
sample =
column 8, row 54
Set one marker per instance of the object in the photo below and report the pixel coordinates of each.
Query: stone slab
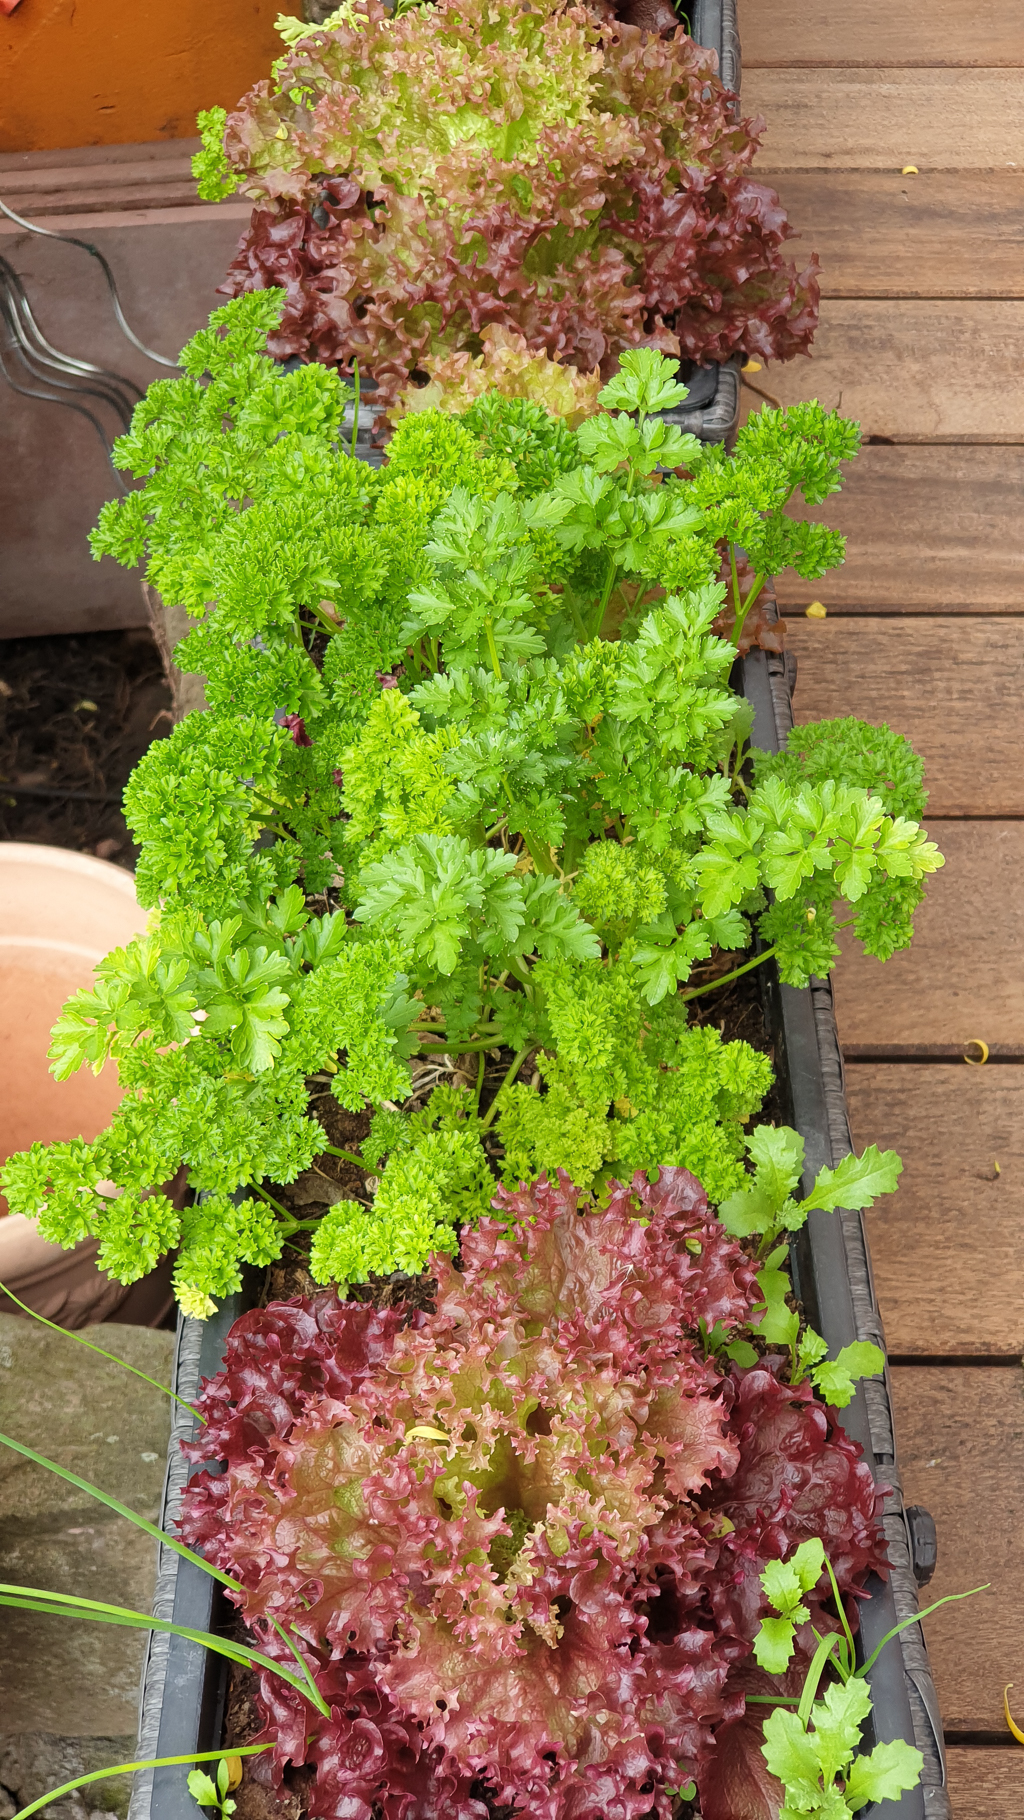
column 76, row 1680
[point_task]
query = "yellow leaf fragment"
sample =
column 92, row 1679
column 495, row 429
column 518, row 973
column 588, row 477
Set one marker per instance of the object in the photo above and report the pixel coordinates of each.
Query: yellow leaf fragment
column 234, row 1771
column 1018, row 1734
column 910, row 170
column 426, row 1434
column 976, row 1061
column 817, row 610
column 751, row 366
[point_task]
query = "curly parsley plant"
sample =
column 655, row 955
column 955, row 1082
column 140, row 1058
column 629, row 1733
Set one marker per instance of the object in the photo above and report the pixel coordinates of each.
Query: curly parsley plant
column 470, row 791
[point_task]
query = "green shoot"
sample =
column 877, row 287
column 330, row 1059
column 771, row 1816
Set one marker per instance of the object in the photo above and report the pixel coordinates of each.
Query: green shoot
column 126, row 1769
column 98, row 1611
column 111, row 1356
column 121, row 1510
column 160, row 1535
column 206, row 1792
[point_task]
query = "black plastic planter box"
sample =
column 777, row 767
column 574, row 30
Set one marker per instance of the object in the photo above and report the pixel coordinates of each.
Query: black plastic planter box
column 183, row 1689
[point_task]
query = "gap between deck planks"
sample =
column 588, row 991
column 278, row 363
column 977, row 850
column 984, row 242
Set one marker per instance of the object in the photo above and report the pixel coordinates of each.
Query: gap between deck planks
column 879, row 234
column 913, row 369
column 960, row 1441
column 962, row 978
column 880, row 34
column 953, row 1218
column 930, row 528
column 882, row 119
column 926, row 678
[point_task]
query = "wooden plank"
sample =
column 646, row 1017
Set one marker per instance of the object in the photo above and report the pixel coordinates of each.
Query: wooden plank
column 940, row 234
column 801, row 34
column 953, row 687
column 951, row 1126
column 985, row 1784
column 963, row 976
column 882, row 119
column 915, row 370
column 929, row 529
column 960, row 1441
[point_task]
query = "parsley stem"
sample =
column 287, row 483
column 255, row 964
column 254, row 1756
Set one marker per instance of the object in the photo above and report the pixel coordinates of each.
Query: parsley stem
column 509, row 1078
column 347, row 1156
column 724, row 978
column 261, row 1191
column 736, row 603
column 327, row 625
column 577, row 620
column 742, row 607
column 492, row 647
column 609, row 583
column 460, row 1048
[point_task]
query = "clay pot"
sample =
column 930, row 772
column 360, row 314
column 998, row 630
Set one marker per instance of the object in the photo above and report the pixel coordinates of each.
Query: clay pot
column 60, row 913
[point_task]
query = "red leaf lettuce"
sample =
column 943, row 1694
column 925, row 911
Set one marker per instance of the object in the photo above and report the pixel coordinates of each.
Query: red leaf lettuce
column 521, row 1536
column 475, row 164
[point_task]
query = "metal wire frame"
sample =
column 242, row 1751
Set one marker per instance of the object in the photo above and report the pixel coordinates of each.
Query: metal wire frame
column 54, row 372
column 32, row 227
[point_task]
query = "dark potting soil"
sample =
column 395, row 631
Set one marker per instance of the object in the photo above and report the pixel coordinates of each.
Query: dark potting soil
column 76, row 715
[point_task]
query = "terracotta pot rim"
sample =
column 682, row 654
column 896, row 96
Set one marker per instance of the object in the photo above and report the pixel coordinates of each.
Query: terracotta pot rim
column 62, row 859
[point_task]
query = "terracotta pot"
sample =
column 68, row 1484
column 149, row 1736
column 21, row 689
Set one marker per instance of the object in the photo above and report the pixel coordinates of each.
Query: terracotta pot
column 60, row 913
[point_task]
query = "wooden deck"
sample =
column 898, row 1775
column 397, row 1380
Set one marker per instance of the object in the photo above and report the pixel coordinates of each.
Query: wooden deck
column 922, row 339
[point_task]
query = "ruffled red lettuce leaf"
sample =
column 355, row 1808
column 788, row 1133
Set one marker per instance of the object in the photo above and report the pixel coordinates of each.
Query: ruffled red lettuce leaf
column 520, row 1536
column 595, row 195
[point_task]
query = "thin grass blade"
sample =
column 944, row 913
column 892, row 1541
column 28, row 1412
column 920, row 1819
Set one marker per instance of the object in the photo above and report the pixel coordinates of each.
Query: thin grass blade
column 814, row 1674
column 950, row 1599
column 39, row 1599
column 125, row 1769
column 122, row 1510
column 112, row 1356
column 161, row 1535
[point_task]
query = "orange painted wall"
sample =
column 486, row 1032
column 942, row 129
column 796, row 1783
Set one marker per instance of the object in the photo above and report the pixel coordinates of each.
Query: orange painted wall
column 119, row 72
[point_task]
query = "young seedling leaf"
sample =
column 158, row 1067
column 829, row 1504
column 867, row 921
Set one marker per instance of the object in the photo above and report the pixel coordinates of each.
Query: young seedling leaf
column 202, row 1789
column 747, row 1212
column 774, row 1642
column 856, row 1182
column 884, row 1774
column 835, row 1379
column 779, row 1325
column 777, row 1154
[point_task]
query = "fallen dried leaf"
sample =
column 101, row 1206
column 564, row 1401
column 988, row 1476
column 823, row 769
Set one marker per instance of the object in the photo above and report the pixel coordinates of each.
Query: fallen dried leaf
column 817, row 610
